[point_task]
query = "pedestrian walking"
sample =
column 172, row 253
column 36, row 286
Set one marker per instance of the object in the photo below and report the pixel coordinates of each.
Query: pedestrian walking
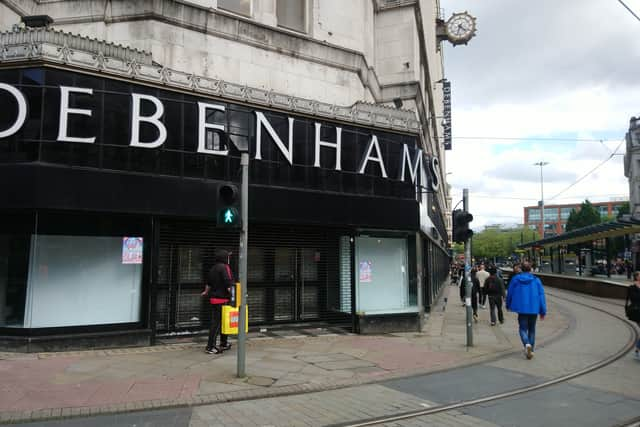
column 482, row 276
column 526, row 297
column 517, row 269
column 218, row 290
column 475, row 293
column 632, row 306
column 494, row 287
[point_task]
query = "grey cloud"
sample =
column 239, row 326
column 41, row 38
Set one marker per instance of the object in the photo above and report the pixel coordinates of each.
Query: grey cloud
column 533, row 49
column 516, row 172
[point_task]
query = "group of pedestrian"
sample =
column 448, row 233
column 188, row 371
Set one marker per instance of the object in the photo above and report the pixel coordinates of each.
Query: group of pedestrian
column 486, row 284
column 525, row 296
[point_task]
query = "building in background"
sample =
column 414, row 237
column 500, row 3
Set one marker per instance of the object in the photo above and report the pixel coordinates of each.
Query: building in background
column 122, row 120
column 632, row 172
column 556, row 216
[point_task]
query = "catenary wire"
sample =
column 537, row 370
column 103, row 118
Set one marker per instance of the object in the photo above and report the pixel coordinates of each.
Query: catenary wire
column 590, row 172
column 511, row 138
column 629, row 9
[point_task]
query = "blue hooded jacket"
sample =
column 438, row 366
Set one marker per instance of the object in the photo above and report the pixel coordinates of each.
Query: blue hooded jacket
column 526, row 295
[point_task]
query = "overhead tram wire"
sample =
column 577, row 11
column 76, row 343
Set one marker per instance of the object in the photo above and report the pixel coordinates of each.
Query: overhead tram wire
column 589, row 196
column 512, row 138
column 629, row 9
column 591, row 171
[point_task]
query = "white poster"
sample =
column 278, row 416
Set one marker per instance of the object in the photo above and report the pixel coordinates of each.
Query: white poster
column 132, row 250
column 365, row 272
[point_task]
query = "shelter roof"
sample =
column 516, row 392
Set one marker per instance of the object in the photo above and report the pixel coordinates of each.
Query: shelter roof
column 615, row 228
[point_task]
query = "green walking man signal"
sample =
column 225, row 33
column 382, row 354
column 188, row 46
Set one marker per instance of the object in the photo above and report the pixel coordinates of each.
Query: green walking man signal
column 228, row 215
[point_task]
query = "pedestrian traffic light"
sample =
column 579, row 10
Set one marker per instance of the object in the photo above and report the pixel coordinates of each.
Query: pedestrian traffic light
column 461, row 230
column 228, row 214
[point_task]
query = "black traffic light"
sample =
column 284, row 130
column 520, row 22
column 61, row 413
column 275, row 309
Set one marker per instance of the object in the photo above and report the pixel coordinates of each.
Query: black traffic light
column 228, row 213
column 461, row 230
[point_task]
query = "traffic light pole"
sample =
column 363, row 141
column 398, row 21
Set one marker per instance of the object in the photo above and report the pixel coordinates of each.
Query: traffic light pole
column 467, row 274
column 244, row 241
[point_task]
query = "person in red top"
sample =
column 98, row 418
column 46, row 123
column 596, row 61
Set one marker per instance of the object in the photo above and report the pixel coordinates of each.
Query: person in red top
column 218, row 290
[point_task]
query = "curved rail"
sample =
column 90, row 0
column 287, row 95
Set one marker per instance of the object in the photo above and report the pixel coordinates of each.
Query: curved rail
column 458, row 405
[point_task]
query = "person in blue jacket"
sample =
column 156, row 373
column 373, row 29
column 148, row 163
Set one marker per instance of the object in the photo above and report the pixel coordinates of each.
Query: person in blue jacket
column 525, row 296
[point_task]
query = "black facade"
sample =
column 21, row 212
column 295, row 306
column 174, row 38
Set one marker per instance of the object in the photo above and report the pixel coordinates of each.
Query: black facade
column 66, row 198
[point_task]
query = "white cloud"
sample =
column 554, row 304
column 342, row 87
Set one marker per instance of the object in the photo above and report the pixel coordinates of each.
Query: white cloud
column 539, row 78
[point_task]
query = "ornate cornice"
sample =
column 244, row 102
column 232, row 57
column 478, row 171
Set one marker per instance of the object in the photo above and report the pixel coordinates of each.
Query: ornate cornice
column 56, row 47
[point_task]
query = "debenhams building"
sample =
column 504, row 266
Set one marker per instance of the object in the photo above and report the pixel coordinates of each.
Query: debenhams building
column 111, row 168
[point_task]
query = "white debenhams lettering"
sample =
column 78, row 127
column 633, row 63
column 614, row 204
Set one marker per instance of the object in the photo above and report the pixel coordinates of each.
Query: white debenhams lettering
column 363, row 165
column 65, row 111
column 153, row 119
column 22, row 110
column 337, row 146
column 262, row 120
column 435, row 173
column 406, row 158
column 203, row 126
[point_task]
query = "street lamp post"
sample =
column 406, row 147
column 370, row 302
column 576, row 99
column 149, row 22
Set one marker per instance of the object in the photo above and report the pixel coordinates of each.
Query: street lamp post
column 541, row 164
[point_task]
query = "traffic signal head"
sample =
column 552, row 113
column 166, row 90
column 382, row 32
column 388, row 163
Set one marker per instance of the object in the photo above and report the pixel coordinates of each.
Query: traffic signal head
column 228, row 214
column 461, row 230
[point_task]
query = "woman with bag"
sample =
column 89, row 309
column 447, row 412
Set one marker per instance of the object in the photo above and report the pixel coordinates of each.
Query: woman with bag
column 218, row 290
column 632, row 305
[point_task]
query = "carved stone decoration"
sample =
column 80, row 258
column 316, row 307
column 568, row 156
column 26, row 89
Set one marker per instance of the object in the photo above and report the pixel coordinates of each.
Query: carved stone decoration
column 100, row 61
column 56, row 47
column 165, row 75
column 133, row 68
column 65, row 53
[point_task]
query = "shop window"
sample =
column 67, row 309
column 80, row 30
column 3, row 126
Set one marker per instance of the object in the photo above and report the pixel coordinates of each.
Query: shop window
column 310, row 260
column 284, row 264
column 382, row 282
column 83, row 280
column 190, row 262
column 292, row 14
column 243, row 7
column 255, row 270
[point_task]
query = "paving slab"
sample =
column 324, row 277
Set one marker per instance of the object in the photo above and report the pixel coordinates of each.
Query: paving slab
column 178, row 372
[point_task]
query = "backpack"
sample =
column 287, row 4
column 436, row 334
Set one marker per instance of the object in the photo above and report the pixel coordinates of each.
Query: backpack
column 491, row 285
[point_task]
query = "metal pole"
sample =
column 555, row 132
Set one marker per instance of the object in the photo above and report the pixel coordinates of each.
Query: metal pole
column 467, row 274
column 244, row 241
column 541, row 164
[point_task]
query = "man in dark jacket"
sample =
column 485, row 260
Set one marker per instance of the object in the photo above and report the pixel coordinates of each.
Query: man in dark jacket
column 526, row 297
column 494, row 287
column 218, row 290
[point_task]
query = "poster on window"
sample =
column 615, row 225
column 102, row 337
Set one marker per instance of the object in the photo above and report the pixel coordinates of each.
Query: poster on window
column 365, row 272
column 132, row 250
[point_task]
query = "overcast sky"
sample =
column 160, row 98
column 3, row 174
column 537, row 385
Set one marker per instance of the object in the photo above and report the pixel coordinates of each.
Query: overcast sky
column 545, row 80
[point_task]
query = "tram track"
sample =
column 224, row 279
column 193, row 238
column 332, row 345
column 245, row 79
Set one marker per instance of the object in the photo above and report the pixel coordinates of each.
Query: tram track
column 633, row 337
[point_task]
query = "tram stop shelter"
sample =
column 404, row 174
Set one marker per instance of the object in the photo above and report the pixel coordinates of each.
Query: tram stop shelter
column 590, row 240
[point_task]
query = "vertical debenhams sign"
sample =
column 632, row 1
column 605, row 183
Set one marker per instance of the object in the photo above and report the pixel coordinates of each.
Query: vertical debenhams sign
column 372, row 153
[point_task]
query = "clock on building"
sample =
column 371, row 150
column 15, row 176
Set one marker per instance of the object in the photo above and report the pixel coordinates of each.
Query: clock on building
column 460, row 28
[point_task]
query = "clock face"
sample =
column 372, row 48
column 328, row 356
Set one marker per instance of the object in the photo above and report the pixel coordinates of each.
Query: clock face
column 461, row 27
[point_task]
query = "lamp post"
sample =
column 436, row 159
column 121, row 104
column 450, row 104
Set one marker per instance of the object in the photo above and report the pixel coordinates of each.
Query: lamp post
column 541, row 164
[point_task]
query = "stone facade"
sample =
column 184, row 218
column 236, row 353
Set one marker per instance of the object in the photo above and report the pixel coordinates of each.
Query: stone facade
column 349, row 54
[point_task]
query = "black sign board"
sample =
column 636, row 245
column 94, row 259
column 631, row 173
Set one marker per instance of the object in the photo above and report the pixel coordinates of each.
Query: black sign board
column 446, row 123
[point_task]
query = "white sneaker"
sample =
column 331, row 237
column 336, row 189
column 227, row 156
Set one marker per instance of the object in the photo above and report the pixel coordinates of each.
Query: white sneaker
column 529, row 351
column 636, row 355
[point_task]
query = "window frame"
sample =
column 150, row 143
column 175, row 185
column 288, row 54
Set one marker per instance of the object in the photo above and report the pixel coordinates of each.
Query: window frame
column 305, row 23
column 248, row 15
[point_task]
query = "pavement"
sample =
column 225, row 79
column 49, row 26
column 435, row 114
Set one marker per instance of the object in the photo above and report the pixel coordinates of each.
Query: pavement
column 45, row 386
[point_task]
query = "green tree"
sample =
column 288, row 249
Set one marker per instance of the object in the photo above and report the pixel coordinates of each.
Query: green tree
column 496, row 242
column 624, row 210
column 587, row 215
